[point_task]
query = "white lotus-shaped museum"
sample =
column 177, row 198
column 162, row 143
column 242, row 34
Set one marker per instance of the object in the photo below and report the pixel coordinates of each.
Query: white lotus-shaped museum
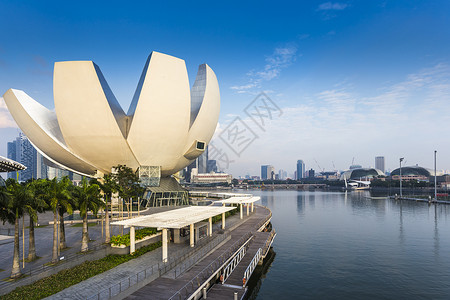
column 167, row 125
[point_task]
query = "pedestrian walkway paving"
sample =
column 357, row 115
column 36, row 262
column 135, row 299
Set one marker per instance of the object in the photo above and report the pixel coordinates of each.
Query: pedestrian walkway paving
column 44, row 242
column 165, row 288
column 92, row 286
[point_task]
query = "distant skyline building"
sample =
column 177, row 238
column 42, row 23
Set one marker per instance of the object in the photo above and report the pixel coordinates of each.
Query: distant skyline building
column 282, row 174
column 22, row 151
column 300, row 169
column 267, row 172
column 379, row 163
column 202, row 162
column 211, row 166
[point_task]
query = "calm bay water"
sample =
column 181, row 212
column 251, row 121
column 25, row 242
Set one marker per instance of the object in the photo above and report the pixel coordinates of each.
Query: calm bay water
column 347, row 246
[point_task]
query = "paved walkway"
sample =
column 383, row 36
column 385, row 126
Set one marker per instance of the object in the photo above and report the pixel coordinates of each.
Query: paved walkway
column 111, row 278
column 44, row 241
column 164, row 287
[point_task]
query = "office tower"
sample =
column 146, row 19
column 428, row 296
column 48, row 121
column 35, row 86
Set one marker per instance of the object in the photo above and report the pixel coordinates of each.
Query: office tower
column 211, row 166
column 379, row 163
column 202, row 162
column 267, row 172
column 21, row 150
column 300, row 169
column 187, row 174
column 282, row 174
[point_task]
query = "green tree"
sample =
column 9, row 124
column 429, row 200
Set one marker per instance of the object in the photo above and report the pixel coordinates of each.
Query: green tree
column 128, row 184
column 58, row 195
column 19, row 196
column 35, row 205
column 108, row 187
column 88, row 199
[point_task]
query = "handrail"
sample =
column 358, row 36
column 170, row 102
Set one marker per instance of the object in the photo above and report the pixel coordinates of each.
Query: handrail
column 43, row 268
column 251, row 267
column 161, row 268
column 269, row 241
column 206, row 272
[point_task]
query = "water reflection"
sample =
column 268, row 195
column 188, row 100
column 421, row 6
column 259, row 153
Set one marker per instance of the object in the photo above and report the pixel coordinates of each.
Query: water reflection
column 356, row 246
column 300, row 203
column 258, row 276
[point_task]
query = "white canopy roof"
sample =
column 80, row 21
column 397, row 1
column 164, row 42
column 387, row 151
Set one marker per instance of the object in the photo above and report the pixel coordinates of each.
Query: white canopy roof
column 239, row 200
column 177, row 218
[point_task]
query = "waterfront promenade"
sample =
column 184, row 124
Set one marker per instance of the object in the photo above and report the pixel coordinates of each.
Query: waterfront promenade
column 115, row 282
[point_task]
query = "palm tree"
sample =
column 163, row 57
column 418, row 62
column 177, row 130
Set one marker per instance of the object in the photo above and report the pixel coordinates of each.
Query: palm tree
column 35, row 205
column 61, row 211
column 58, row 195
column 19, row 195
column 88, row 199
column 108, row 187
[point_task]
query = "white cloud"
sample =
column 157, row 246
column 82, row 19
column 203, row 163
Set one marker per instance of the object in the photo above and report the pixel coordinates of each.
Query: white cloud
column 281, row 58
column 407, row 118
column 332, row 6
column 243, row 87
column 6, row 120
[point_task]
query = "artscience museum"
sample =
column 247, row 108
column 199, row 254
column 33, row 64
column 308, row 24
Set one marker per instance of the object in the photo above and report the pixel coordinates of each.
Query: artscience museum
column 167, row 126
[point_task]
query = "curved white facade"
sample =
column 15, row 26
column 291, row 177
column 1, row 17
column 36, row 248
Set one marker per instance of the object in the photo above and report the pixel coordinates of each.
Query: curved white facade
column 167, row 124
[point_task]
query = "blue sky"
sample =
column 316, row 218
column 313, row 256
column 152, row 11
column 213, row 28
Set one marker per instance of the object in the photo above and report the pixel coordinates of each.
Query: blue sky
column 352, row 78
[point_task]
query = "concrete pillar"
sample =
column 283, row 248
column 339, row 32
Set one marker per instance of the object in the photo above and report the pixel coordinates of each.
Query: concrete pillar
column 191, row 235
column 241, row 214
column 248, row 207
column 210, row 227
column 164, row 244
column 223, row 204
column 176, row 236
column 253, row 208
column 132, row 240
column 223, row 220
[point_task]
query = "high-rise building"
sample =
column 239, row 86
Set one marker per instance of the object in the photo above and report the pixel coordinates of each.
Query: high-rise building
column 379, row 163
column 211, row 166
column 21, row 150
column 300, row 169
column 282, row 174
column 267, row 172
column 202, row 162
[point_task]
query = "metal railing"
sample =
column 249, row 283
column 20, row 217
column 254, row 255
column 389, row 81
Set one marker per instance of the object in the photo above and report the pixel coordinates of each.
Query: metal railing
column 199, row 280
column 48, row 266
column 267, row 219
column 188, row 256
column 269, row 241
column 235, row 261
column 251, row 267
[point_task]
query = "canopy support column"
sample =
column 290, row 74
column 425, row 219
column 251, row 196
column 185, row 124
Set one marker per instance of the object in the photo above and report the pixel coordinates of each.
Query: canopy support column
column 210, row 226
column 191, row 235
column 248, row 206
column 132, row 240
column 253, row 208
column 164, row 245
column 241, row 214
column 223, row 220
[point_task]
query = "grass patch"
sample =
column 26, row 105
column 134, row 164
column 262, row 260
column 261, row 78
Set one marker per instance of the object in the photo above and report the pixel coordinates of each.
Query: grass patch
column 81, row 224
column 1, row 270
column 66, row 278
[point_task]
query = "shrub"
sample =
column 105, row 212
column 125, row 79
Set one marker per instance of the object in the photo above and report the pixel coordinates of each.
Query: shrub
column 118, row 240
column 66, row 278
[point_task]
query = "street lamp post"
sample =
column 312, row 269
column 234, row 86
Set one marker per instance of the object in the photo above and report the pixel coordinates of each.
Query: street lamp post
column 401, row 194
column 435, row 176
